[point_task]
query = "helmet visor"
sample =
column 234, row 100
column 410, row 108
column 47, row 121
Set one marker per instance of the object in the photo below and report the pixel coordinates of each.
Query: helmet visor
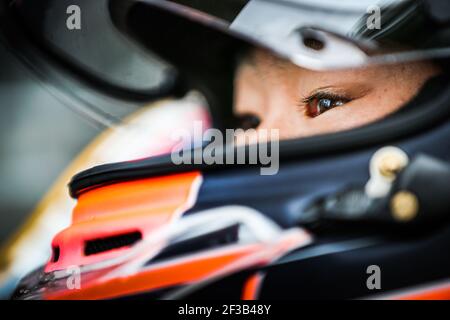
column 326, row 34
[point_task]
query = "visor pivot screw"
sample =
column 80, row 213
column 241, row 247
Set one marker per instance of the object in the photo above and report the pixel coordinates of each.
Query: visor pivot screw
column 385, row 164
column 391, row 164
column 404, row 206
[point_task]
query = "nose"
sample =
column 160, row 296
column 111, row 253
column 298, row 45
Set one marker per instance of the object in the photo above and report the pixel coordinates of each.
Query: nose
column 248, row 121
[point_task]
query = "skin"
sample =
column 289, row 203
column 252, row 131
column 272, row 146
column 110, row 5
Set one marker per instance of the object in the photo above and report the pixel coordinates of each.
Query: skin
column 275, row 90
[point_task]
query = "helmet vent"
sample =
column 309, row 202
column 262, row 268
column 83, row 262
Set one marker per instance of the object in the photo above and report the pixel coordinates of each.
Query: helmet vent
column 313, row 43
column 100, row 245
column 216, row 239
column 55, row 254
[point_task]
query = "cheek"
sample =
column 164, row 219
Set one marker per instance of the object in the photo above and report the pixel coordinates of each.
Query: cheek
column 289, row 121
column 248, row 92
column 382, row 102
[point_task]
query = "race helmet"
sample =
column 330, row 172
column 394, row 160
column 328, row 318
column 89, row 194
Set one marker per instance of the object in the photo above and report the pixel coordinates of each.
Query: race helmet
column 339, row 205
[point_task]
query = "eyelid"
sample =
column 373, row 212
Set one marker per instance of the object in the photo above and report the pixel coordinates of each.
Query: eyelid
column 348, row 92
column 326, row 95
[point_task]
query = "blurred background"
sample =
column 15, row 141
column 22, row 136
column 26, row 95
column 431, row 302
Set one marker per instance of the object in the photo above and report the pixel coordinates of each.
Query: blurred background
column 59, row 89
column 39, row 137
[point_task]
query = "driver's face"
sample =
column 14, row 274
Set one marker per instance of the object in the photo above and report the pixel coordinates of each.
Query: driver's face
column 300, row 102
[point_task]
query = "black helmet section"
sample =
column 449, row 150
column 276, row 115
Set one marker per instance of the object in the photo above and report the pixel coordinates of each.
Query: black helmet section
column 414, row 203
column 200, row 52
column 339, row 269
column 35, row 29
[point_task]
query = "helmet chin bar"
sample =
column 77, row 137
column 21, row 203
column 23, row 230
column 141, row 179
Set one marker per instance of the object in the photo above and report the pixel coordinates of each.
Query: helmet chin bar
column 218, row 242
column 413, row 200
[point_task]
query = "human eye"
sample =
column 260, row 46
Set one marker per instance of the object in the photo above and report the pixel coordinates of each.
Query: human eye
column 320, row 102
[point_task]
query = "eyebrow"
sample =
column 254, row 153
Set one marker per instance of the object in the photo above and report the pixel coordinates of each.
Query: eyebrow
column 356, row 90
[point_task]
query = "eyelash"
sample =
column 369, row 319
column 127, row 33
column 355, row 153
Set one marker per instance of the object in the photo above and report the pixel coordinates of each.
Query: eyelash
column 313, row 107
